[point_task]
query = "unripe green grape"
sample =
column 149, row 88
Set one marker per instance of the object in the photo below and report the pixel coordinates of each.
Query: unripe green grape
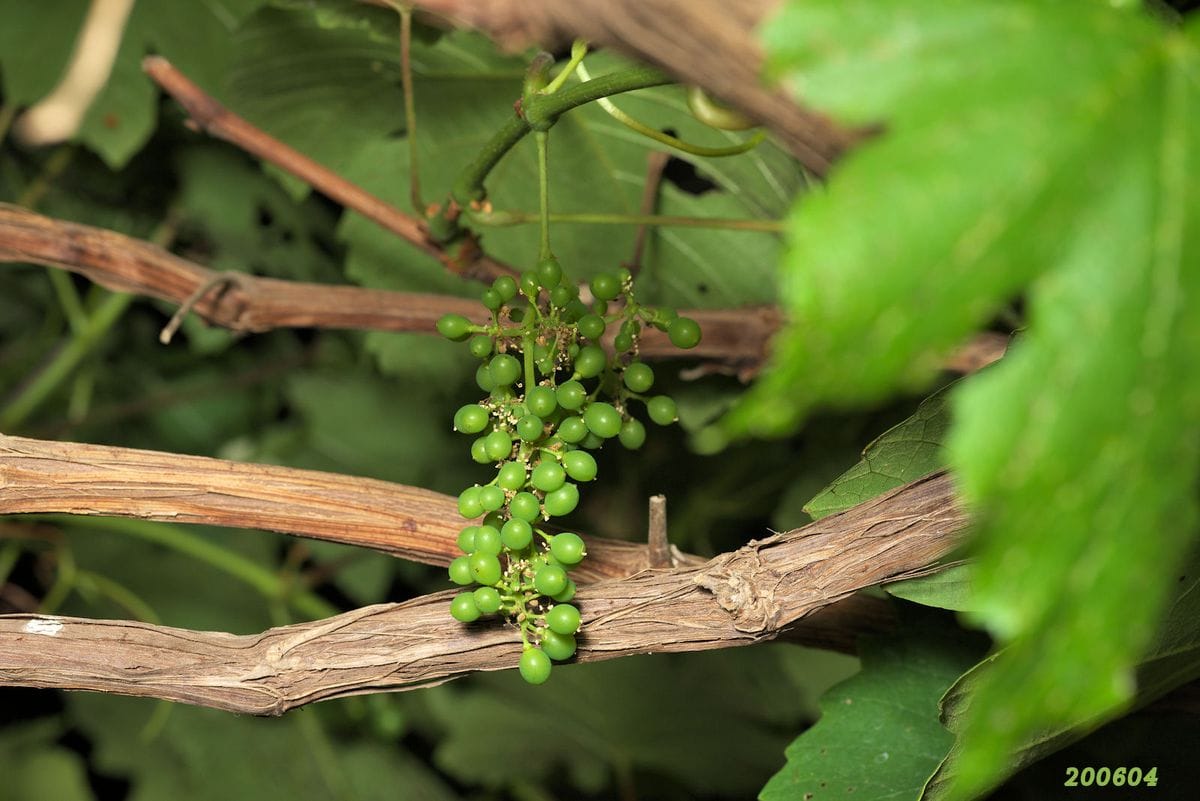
column 480, row 346
column 493, row 519
column 454, row 327
column 591, row 326
column 485, row 568
column 487, row 540
column 631, row 327
column 460, row 571
column 568, row 593
column 605, row 286
column 468, row 503
column 558, row 646
column 545, row 365
column 638, row 376
column 534, row 666
column 516, row 534
column 567, row 548
column 483, row 378
column 575, row 310
column 571, row 395
column 572, row 430
column 662, row 410
column 530, row 284
column 549, row 272
column 530, row 428
column 562, row 501
column 466, row 539
column 504, row 369
column 491, row 498
column 592, row 442
column 503, row 395
column 579, row 465
column 479, row 452
column 491, row 299
column 541, row 401
column 624, row 276
column 471, row 419
column 511, row 476
column 561, row 296
column 499, row 445
column 622, row 343
column 487, row 600
column 563, row 619
column 547, row 476
column 600, row 307
column 505, row 287
column 524, row 506
column 550, row 579
column 602, row 419
column 463, row 608
column 633, row 434
column 684, row 332
column 591, row 361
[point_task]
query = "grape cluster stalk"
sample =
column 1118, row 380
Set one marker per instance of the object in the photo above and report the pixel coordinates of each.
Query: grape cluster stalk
column 554, row 394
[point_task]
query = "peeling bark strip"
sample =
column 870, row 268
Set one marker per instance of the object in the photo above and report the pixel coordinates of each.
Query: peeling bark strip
column 408, row 522
column 747, row 596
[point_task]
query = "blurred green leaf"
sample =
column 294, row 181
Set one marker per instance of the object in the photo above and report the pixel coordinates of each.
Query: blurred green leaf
column 879, row 736
column 194, row 36
column 36, row 767
column 945, row 589
column 903, row 453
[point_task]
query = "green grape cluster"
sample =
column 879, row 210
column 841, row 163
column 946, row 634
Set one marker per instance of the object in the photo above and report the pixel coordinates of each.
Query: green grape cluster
column 554, row 394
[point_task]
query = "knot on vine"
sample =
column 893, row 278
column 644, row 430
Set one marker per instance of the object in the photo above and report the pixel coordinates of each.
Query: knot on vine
column 746, row 590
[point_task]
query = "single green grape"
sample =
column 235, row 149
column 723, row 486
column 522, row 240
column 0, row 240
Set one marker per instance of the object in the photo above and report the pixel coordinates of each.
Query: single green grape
column 602, row 419
column 480, row 346
column 493, row 519
column 491, row 498
column 511, row 476
column 684, row 332
column 562, row 501
column 471, row 419
column 558, row 646
column 550, row 579
column 591, row 326
column 623, row 343
column 483, row 378
column 591, row 361
column 487, row 540
column 639, row 377
column 479, row 453
column 454, row 327
column 561, row 296
column 605, row 286
column 491, row 299
column 485, row 568
column 463, row 608
column 549, row 272
column 662, row 410
column 534, row 666
column 572, row 430
column 524, row 506
column 506, row 287
column 516, row 534
column 547, row 476
column 580, row 465
column 466, row 539
column 541, row 401
column 468, row 503
column 568, row 548
column 592, row 442
column 530, row 284
column 530, row 428
column 460, row 571
column 632, row 434
column 504, row 369
column 575, row 310
column 563, row 619
column 487, row 600
column 498, row 445
column 571, row 395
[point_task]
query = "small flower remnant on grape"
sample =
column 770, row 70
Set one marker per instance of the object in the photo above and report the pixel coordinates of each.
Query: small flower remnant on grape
column 554, row 393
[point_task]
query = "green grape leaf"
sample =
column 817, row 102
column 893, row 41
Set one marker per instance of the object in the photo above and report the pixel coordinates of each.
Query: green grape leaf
column 1172, row 660
column 1072, row 450
column 903, row 453
column 879, row 735
column 669, row 721
column 194, row 36
column 945, row 589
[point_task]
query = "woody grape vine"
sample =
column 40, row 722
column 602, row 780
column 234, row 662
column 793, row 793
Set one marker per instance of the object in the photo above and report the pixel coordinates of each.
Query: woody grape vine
column 554, row 394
